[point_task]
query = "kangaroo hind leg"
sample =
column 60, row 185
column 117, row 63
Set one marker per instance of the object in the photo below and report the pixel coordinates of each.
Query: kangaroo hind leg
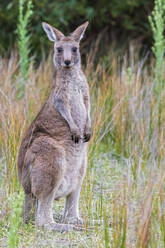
column 46, row 176
column 29, row 207
column 44, row 215
column 71, row 212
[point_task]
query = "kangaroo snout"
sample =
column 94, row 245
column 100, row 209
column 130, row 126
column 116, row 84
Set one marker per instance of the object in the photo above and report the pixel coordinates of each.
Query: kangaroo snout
column 67, row 62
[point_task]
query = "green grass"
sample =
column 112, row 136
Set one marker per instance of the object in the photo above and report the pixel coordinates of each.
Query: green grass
column 15, row 202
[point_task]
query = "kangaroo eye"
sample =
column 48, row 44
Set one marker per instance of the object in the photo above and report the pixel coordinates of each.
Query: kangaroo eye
column 74, row 49
column 59, row 49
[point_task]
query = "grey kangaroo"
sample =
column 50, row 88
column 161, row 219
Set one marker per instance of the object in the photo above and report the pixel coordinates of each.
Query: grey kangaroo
column 52, row 157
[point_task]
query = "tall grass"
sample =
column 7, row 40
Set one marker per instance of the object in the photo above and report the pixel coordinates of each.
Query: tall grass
column 123, row 193
column 157, row 22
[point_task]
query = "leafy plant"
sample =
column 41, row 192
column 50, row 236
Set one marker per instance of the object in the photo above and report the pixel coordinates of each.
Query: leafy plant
column 23, row 42
column 157, row 22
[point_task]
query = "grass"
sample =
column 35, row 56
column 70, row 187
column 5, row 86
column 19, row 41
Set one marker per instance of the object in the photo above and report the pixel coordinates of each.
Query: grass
column 122, row 199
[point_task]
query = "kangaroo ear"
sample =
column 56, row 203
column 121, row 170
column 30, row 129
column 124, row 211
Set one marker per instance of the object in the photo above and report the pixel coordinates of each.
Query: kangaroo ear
column 79, row 32
column 52, row 33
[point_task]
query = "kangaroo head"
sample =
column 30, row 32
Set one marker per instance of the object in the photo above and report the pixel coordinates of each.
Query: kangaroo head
column 66, row 48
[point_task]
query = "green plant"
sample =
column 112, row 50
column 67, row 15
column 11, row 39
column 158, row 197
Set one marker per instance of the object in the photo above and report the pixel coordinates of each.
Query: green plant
column 23, row 42
column 15, row 219
column 157, row 22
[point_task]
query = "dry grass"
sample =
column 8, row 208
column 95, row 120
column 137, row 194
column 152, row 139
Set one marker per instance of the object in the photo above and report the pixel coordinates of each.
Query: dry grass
column 122, row 200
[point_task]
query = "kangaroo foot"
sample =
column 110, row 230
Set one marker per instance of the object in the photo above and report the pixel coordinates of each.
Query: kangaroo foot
column 73, row 220
column 61, row 227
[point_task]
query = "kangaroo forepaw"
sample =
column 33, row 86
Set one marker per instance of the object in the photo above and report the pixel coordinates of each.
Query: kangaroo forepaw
column 87, row 137
column 75, row 134
column 75, row 138
column 87, row 133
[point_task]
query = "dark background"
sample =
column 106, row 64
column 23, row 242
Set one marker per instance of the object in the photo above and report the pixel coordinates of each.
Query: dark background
column 121, row 20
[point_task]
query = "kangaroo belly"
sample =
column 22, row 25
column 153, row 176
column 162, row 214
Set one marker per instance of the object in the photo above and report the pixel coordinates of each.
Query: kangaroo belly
column 73, row 174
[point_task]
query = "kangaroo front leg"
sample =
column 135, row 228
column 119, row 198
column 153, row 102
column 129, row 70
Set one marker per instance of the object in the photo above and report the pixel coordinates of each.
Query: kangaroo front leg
column 87, row 130
column 64, row 110
column 71, row 212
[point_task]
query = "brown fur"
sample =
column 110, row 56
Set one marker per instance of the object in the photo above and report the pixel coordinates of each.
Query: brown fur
column 53, row 154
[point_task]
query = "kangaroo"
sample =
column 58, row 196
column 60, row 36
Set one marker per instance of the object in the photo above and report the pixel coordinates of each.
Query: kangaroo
column 52, row 158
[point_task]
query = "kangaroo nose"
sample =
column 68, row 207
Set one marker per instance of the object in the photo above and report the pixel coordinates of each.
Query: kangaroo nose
column 67, row 62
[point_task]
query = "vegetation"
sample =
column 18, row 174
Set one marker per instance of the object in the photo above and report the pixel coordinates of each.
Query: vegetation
column 157, row 21
column 123, row 193
column 15, row 220
column 122, row 199
column 122, row 19
column 23, row 44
